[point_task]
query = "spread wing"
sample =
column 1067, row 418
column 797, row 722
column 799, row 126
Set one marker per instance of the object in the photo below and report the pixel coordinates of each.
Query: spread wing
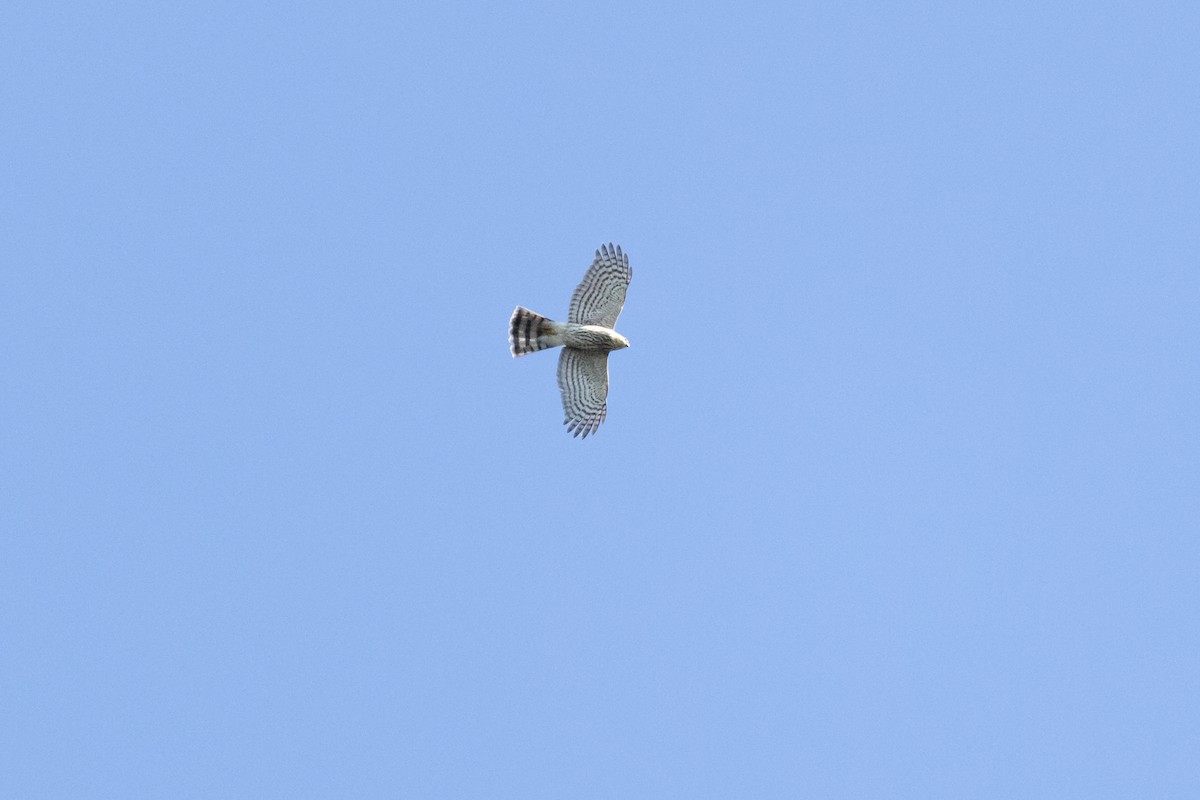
column 583, row 380
column 601, row 294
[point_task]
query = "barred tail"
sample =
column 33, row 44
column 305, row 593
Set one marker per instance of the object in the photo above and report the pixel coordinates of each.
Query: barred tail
column 529, row 332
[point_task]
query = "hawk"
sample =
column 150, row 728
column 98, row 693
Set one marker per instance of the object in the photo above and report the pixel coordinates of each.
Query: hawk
column 586, row 337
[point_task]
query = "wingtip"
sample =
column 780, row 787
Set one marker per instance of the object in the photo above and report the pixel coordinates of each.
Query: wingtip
column 611, row 250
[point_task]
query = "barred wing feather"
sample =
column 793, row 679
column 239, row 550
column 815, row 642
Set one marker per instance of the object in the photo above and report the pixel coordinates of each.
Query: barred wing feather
column 583, row 381
column 601, row 294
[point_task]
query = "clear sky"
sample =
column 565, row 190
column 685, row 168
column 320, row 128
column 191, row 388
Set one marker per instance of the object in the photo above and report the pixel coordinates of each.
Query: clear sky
column 899, row 492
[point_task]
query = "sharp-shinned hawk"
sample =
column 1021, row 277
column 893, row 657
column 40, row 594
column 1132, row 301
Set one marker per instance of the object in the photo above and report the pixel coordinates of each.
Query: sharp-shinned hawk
column 586, row 337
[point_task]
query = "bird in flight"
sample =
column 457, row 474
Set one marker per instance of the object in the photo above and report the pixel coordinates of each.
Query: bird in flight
column 586, row 338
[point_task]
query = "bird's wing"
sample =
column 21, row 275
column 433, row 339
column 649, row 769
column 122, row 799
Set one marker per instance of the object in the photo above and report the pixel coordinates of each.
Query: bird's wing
column 583, row 380
column 600, row 295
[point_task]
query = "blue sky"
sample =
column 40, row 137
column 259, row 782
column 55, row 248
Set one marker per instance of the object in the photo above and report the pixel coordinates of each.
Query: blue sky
column 897, row 496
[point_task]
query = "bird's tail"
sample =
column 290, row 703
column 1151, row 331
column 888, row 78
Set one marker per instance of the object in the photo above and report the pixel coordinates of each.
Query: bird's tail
column 529, row 332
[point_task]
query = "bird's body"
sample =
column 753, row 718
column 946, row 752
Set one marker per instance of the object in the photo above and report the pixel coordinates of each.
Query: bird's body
column 587, row 337
column 592, row 337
